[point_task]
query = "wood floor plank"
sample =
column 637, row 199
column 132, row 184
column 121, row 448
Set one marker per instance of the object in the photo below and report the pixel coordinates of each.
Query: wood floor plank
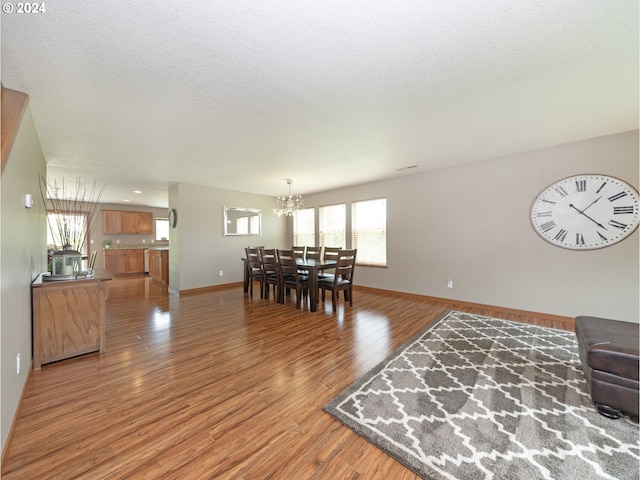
column 217, row 385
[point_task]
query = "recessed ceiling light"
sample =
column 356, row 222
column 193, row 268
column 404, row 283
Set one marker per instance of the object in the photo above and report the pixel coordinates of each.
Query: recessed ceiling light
column 137, row 191
column 125, row 199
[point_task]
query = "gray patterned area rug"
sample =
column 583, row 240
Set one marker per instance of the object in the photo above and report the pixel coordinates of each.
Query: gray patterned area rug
column 474, row 397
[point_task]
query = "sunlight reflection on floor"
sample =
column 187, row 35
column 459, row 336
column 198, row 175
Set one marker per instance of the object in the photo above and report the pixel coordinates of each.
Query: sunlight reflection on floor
column 161, row 320
column 372, row 338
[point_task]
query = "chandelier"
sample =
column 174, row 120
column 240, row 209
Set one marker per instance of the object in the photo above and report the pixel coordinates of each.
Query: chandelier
column 287, row 205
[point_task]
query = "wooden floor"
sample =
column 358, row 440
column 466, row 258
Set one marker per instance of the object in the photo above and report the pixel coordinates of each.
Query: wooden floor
column 215, row 385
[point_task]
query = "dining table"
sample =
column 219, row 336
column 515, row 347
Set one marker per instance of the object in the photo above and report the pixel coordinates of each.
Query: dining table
column 312, row 266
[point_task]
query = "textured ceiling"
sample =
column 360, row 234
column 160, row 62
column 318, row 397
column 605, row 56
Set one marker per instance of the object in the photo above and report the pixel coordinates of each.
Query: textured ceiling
column 244, row 94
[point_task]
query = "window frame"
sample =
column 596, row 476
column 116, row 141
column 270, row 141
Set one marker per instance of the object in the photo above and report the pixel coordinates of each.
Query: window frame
column 159, row 230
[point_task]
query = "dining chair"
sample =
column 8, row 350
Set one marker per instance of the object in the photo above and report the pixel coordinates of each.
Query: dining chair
column 270, row 272
column 292, row 278
column 255, row 271
column 281, row 253
column 314, row 253
column 330, row 253
column 299, row 252
column 92, row 259
column 342, row 279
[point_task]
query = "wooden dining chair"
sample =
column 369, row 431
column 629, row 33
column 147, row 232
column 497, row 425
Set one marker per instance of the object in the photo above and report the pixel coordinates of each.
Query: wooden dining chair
column 292, row 279
column 92, row 259
column 270, row 272
column 299, row 252
column 330, row 253
column 342, row 280
column 314, row 253
column 255, row 271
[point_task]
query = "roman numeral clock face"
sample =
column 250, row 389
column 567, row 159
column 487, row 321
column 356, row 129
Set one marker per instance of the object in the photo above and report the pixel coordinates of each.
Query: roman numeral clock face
column 585, row 212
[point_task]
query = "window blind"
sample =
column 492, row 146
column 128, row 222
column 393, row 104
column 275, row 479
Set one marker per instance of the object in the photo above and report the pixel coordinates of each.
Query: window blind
column 369, row 231
column 304, row 229
column 332, row 220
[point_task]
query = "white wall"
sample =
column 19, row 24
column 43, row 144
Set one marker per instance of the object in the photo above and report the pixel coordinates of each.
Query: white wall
column 198, row 249
column 23, row 257
column 471, row 223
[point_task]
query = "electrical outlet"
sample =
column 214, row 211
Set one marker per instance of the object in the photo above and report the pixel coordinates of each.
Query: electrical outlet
column 117, row 240
column 220, row 273
column 18, row 364
column 449, row 283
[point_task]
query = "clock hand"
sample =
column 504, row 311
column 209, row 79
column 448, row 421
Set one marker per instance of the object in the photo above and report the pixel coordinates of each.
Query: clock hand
column 588, row 206
column 581, row 212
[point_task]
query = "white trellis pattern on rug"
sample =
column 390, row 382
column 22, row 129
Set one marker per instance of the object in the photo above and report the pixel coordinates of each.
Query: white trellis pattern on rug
column 477, row 397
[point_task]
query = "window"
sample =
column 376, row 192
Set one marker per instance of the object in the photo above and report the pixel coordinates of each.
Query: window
column 369, row 231
column 67, row 228
column 332, row 226
column 304, row 228
column 162, row 228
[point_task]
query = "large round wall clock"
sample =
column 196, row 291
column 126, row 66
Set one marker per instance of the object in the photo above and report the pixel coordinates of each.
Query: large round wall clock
column 585, row 212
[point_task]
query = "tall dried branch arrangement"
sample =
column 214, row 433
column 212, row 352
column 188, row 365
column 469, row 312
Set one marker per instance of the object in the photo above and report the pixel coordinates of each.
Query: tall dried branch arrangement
column 70, row 205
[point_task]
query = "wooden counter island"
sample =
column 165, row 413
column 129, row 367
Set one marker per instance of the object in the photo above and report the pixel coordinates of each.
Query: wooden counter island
column 68, row 317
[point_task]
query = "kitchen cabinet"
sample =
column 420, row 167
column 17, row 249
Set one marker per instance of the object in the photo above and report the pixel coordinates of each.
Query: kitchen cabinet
column 111, row 221
column 134, row 261
column 129, row 221
column 114, row 261
column 120, row 221
column 124, row 261
column 159, row 264
column 145, row 223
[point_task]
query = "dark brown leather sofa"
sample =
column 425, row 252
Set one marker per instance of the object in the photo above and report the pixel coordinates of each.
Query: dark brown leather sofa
column 609, row 356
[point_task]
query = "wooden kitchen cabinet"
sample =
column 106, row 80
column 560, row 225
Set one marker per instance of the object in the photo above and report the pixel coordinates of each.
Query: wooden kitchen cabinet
column 145, row 223
column 111, row 221
column 134, row 261
column 129, row 222
column 124, row 261
column 159, row 265
column 120, row 221
column 114, row 261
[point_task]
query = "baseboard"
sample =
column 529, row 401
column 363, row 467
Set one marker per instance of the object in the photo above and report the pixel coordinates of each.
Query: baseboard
column 15, row 416
column 562, row 322
column 209, row 289
column 559, row 321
